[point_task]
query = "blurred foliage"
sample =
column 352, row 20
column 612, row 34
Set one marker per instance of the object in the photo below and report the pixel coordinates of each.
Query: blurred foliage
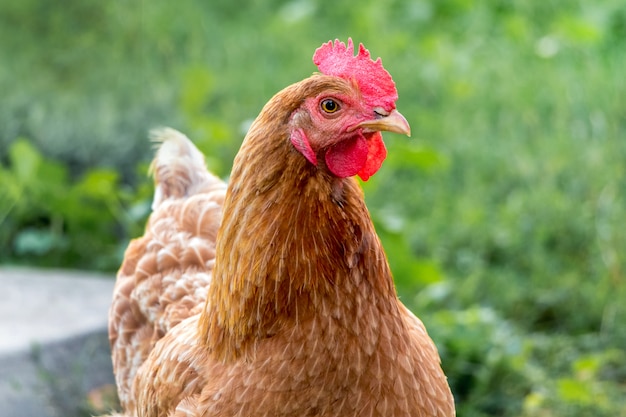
column 503, row 218
column 49, row 220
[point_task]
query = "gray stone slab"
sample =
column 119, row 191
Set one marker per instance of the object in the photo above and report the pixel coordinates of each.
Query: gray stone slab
column 53, row 341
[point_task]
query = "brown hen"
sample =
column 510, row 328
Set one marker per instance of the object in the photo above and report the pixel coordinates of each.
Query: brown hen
column 301, row 316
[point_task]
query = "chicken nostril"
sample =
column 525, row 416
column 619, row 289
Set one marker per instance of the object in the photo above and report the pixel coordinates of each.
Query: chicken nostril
column 380, row 112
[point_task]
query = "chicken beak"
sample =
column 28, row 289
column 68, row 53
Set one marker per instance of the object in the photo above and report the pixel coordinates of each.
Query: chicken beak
column 393, row 122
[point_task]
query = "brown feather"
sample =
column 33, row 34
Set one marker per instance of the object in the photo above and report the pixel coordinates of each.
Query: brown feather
column 166, row 272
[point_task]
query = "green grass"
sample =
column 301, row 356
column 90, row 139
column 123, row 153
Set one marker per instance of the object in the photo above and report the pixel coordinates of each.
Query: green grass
column 503, row 217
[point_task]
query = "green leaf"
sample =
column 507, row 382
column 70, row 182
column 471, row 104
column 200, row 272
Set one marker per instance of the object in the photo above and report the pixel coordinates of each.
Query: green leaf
column 99, row 184
column 25, row 160
column 587, row 366
column 37, row 242
column 579, row 31
column 574, row 391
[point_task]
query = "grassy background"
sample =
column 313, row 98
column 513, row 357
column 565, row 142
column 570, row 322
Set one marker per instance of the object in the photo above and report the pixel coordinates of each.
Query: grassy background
column 503, row 217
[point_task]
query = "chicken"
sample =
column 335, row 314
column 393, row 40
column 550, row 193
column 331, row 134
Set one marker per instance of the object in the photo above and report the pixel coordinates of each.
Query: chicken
column 295, row 312
column 165, row 273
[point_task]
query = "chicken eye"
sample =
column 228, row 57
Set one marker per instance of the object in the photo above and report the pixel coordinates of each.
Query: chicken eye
column 329, row 105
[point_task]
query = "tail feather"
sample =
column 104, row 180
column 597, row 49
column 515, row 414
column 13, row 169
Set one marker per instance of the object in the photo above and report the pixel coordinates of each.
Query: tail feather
column 178, row 167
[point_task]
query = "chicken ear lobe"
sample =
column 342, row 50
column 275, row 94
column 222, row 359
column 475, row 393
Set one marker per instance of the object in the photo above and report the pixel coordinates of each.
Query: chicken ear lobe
column 301, row 143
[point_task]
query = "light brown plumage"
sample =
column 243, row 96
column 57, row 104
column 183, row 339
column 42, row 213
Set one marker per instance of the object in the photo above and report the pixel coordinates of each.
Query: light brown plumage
column 166, row 272
column 301, row 316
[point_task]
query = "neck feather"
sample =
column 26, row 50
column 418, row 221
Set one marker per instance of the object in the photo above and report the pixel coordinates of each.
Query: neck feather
column 291, row 235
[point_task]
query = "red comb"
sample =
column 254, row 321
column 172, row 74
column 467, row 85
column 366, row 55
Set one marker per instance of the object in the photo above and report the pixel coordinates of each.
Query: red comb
column 375, row 83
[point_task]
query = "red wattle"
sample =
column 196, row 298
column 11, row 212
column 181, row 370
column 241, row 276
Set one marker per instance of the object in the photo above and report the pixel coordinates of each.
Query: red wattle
column 348, row 157
column 377, row 152
column 357, row 156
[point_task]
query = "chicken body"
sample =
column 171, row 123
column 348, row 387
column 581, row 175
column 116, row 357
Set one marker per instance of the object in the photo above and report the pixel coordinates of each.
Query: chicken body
column 166, row 273
column 301, row 315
